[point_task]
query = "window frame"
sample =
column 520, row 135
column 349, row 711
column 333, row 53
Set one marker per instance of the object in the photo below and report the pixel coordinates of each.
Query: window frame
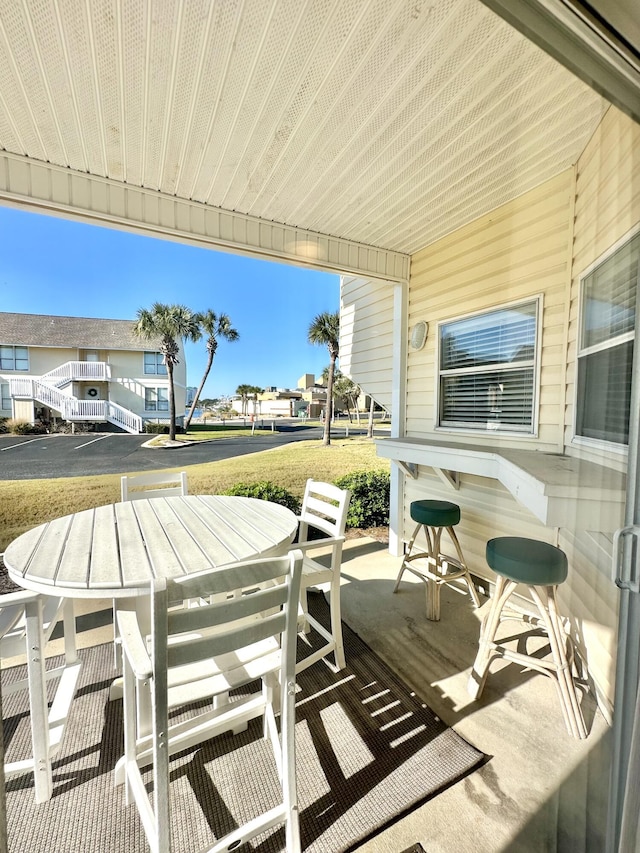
column 4, row 397
column 538, row 299
column 588, row 442
column 156, row 390
column 160, row 366
column 15, row 347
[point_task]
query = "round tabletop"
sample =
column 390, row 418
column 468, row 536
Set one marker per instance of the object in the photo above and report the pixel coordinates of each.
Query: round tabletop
column 117, row 550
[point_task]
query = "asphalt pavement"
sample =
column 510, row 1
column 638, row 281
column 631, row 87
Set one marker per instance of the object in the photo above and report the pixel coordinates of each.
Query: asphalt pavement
column 32, row 457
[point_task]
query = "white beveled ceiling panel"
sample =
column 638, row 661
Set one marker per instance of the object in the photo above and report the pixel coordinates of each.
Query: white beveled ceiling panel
column 385, row 122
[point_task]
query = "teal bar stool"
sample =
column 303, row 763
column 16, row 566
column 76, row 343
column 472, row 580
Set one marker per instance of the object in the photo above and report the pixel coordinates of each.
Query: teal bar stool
column 541, row 568
column 430, row 564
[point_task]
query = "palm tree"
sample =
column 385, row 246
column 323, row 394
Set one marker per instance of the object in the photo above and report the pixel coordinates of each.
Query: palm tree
column 347, row 390
column 168, row 323
column 325, row 331
column 243, row 392
column 252, row 394
column 214, row 326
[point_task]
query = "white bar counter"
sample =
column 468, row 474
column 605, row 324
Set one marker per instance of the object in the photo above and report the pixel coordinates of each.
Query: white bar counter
column 560, row 490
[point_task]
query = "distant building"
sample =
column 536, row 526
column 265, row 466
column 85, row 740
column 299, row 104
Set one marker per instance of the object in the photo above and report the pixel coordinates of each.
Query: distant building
column 84, row 370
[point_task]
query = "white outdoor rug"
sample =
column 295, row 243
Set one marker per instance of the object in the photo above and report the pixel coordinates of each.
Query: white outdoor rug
column 368, row 751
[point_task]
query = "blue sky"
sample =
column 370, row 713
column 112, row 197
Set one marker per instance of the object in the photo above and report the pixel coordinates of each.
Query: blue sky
column 50, row 265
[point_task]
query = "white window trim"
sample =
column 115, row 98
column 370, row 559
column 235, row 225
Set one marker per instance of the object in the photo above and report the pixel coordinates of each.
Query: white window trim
column 15, row 369
column 157, row 363
column 8, row 397
column 156, row 388
column 598, row 444
column 499, row 306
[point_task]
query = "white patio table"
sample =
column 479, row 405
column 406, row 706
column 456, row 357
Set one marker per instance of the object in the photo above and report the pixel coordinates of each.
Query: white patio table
column 115, row 551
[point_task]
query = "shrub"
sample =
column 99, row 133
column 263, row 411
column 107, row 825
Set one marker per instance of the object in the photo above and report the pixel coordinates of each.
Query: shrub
column 266, row 491
column 22, row 427
column 160, row 429
column 369, row 505
column 3, row 425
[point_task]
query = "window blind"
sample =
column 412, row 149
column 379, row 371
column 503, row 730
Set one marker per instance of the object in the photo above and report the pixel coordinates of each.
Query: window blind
column 487, row 370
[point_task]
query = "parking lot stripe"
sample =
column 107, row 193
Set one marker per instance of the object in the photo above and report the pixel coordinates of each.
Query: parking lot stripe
column 22, row 443
column 93, row 440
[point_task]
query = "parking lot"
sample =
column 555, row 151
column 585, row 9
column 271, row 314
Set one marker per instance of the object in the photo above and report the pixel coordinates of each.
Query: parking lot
column 32, row 457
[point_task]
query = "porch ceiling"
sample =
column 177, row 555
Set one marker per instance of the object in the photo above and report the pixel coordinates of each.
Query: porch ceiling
column 386, row 122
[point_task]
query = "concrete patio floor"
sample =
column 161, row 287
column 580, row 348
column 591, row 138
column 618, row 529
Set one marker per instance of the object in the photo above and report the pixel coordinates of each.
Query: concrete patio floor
column 540, row 792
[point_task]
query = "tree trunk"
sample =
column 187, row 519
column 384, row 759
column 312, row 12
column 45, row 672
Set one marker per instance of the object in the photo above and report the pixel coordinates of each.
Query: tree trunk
column 187, row 422
column 370, row 424
column 326, row 440
column 172, row 403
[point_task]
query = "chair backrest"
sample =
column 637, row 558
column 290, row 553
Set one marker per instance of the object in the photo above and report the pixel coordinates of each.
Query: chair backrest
column 325, row 507
column 253, row 601
column 160, row 484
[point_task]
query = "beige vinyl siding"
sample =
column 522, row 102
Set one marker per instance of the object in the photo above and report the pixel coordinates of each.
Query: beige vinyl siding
column 44, row 359
column 366, row 336
column 516, row 252
column 607, row 208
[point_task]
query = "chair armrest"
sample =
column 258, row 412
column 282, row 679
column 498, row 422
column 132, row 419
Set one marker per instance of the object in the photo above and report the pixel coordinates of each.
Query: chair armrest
column 311, row 544
column 134, row 644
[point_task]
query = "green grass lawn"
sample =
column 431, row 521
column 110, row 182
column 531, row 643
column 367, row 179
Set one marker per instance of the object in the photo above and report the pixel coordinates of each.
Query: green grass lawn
column 27, row 503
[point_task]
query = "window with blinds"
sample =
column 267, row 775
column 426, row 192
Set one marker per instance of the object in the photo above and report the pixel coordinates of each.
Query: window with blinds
column 607, row 333
column 487, row 369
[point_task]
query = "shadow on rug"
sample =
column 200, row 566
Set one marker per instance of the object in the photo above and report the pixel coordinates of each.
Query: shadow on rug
column 368, row 751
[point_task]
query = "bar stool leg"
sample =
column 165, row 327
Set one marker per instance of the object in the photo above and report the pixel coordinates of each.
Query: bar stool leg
column 473, row 592
column 432, row 586
column 480, row 669
column 571, row 710
column 404, row 565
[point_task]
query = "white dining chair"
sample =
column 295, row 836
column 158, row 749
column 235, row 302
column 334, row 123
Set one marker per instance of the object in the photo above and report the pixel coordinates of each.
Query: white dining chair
column 133, row 487
column 248, row 634
column 27, row 620
column 159, row 484
column 324, row 509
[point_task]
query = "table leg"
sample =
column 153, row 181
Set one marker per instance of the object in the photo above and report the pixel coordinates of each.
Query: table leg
column 4, row 847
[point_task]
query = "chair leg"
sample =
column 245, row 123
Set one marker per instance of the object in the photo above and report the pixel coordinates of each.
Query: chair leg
column 304, row 604
column 38, row 702
column 480, row 669
column 336, row 621
column 69, row 622
column 288, row 762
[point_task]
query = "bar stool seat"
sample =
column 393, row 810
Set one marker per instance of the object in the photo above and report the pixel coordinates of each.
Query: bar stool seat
column 541, row 567
column 430, row 565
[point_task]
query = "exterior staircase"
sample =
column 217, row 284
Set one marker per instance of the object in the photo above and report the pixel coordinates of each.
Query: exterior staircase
column 47, row 390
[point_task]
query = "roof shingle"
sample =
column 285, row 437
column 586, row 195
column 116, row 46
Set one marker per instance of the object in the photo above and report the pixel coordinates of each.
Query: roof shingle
column 47, row 330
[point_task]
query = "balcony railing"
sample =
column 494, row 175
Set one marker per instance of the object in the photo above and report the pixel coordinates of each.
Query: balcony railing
column 73, row 409
column 93, row 371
